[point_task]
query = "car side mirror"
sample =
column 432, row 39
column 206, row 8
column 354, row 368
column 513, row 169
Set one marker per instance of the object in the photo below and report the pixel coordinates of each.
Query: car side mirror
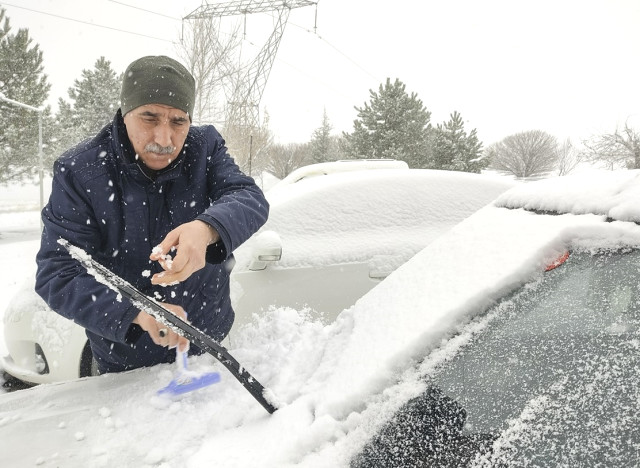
column 267, row 247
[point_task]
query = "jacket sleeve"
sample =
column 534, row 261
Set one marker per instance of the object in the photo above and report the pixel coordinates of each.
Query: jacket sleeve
column 238, row 206
column 60, row 280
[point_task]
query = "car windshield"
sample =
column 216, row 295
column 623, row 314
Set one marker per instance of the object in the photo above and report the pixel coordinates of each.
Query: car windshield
column 551, row 379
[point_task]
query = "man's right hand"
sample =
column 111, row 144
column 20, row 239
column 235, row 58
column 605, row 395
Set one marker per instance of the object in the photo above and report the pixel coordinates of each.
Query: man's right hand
column 153, row 327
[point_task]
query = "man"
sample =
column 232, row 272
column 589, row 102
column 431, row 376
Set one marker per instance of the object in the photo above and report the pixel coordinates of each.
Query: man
column 160, row 203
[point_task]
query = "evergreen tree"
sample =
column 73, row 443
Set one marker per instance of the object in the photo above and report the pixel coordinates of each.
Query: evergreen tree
column 321, row 142
column 22, row 79
column 95, row 99
column 324, row 146
column 455, row 150
column 393, row 125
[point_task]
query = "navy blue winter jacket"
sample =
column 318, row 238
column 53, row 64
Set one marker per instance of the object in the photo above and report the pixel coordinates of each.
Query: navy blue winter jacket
column 102, row 202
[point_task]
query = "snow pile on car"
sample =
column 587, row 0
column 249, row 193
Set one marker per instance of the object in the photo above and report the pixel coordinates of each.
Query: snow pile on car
column 611, row 193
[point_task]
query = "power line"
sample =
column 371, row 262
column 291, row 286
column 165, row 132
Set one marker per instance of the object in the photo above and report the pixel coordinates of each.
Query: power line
column 87, row 23
column 313, row 77
column 346, row 56
column 314, row 33
column 145, row 10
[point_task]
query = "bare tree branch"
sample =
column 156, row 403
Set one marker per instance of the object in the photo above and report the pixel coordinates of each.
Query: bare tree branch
column 618, row 149
column 525, row 154
column 210, row 60
column 283, row 159
column 568, row 158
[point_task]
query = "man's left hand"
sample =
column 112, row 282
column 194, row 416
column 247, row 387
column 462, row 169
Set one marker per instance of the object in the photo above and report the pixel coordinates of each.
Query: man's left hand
column 191, row 241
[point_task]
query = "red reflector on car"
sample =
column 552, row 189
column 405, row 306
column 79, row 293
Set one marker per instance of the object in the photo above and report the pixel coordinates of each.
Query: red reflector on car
column 558, row 261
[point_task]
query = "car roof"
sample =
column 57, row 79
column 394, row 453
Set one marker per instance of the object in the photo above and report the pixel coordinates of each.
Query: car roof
column 400, row 187
column 334, row 167
column 614, row 194
column 371, row 212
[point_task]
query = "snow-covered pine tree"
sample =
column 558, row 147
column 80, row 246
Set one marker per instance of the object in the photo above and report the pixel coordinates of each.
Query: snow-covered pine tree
column 454, row 149
column 393, row 124
column 94, row 100
column 321, row 141
column 22, row 79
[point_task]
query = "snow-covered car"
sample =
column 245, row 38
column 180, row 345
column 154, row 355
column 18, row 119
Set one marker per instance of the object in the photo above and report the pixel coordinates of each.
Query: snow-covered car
column 341, row 234
column 327, row 242
column 333, row 167
column 511, row 340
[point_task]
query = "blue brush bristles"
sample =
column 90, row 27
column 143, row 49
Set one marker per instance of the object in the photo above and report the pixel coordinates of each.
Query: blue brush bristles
column 187, row 381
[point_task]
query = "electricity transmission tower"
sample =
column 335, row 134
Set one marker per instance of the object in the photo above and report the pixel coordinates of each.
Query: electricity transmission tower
column 246, row 93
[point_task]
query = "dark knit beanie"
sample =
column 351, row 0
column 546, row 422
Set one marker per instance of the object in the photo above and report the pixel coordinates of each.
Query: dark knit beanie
column 157, row 80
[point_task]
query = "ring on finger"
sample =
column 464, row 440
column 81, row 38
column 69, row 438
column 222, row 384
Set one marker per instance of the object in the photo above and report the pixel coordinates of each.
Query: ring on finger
column 163, row 332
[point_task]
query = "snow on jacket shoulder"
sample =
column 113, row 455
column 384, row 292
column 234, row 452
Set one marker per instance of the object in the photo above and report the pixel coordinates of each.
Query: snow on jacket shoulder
column 102, row 202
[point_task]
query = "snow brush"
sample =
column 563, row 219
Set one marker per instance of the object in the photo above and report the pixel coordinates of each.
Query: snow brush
column 186, row 381
column 178, row 325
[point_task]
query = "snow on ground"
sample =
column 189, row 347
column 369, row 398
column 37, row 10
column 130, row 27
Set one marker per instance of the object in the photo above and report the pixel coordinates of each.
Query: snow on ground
column 334, row 383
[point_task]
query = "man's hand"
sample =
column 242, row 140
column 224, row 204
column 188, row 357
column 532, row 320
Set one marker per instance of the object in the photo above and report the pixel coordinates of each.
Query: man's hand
column 191, row 241
column 160, row 333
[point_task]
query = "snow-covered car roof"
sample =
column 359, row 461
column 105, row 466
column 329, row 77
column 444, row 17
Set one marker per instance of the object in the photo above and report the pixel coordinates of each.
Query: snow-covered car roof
column 334, row 383
column 333, row 167
column 370, row 210
column 611, row 193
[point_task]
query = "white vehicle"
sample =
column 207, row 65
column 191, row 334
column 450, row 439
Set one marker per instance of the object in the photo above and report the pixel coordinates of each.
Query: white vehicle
column 328, row 241
column 513, row 339
column 343, row 233
column 333, row 167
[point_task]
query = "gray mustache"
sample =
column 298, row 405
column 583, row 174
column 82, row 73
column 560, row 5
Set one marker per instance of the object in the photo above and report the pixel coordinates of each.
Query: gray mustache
column 156, row 148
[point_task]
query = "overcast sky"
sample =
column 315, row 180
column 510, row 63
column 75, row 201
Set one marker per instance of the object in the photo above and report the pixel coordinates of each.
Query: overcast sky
column 568, row 67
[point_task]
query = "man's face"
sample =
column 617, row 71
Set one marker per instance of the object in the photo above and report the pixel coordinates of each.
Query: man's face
column 157, row 133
